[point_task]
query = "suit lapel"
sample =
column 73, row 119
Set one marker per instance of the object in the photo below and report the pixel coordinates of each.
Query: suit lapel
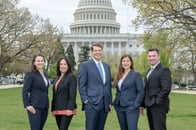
column 150, row 74
column 127, row 79
column 47, row 80
column 59, row 84
column 154, row 71
column 42, row 80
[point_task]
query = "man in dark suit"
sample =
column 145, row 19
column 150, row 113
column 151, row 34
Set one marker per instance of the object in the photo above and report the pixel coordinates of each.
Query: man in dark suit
column 157, row 89
column 95, row 89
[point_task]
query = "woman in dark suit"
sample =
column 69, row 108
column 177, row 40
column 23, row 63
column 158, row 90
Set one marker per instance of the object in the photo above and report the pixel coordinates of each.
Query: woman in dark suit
column 35, row 93
column 129, row 94
column 64, row 94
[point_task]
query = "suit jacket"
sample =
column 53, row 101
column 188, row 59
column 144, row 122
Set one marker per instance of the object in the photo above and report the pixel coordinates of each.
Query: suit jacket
column 131, row 92
column 158, row 87
column 91, row 86
column 64, row 97
column 35, row 91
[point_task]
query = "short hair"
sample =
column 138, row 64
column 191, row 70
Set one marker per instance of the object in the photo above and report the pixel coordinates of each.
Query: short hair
column 96, row 44
column 154, row 49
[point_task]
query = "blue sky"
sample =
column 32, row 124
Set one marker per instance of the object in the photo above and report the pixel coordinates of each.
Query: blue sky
column 60, row 12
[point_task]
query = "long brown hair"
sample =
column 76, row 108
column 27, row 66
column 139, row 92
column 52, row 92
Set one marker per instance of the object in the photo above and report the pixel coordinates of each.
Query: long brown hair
column 121, row 69
column 33, row 67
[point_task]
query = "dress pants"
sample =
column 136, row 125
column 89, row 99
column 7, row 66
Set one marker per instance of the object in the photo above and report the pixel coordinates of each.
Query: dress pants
column 156, row 118
column 63, row 121
column 127, row 117
column 95, row 119
column 38, row 119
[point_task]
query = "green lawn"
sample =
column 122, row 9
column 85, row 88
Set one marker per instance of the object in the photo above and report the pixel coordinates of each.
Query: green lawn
column 13, row 116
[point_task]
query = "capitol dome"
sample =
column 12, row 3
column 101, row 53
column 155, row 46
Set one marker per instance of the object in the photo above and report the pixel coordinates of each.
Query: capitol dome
column 95, row 22
column 95, row 17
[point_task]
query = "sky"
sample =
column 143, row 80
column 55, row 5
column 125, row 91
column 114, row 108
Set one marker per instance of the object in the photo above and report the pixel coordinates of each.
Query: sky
column 60, row 13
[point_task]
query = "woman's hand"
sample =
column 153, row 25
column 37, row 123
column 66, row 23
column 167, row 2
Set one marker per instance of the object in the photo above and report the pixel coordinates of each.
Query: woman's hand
column 142, row 110
column 110, row 108
column 69, row 112
column 31, row 109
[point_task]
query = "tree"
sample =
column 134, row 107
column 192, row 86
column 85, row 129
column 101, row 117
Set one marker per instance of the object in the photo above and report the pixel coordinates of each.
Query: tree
column 176, row 17
column 70, row 55
column 167, row 14
column 84, row 54
column 141, row 63
column 23, row 35
column 160, row 40
column 113, row 61
column 14, row 24
column 53, row 71
column 50, row 44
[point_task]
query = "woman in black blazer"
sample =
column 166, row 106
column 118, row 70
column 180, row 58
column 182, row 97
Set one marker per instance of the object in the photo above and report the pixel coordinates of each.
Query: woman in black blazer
column 129, row 94
column 64, row 94
column 35, row 93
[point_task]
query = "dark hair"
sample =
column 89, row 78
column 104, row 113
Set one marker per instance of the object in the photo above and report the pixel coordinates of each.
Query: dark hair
column 121, row 69
column 33, row 67
column 58, row 65
column 96, row 44
column 154, row 49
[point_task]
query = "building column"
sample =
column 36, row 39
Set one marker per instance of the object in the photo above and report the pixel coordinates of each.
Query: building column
column 119, row 48
column 112, row 48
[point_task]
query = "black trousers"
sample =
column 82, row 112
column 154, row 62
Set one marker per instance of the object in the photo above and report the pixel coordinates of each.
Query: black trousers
column 156, row 118
column 63, row 121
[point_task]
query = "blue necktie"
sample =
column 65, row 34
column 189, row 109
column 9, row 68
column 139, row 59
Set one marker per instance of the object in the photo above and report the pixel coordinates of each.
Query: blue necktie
column 100, row 71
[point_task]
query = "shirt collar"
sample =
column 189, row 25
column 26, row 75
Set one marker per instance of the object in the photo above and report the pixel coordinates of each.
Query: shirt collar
column 154, row 66
column 96, row 61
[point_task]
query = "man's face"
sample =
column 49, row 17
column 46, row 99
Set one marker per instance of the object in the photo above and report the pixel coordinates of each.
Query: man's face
column 97, row 53
column 153, row 57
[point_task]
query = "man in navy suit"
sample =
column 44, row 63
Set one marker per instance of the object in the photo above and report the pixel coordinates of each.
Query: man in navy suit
column 157, row 89
column 95, row 89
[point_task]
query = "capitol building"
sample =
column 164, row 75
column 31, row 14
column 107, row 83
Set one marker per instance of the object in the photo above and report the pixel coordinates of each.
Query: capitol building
column 95, row 21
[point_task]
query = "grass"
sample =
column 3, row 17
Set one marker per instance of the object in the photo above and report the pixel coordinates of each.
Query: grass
column 182, row 115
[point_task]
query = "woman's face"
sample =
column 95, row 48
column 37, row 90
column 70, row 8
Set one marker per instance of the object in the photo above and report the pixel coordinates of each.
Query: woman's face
column 39, row 62
column 126, row 63
column 63, row 66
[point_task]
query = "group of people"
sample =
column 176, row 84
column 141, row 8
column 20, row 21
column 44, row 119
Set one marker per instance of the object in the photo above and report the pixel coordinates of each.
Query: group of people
column 133, row 94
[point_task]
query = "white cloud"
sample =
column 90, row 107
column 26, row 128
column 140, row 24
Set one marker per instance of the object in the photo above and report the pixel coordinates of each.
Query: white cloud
column 60, row 12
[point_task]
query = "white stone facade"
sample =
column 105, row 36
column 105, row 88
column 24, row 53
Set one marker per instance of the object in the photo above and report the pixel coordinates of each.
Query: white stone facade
column 95, row 21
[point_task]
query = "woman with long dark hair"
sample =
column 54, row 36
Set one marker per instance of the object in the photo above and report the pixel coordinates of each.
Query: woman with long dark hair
column 64, row 94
